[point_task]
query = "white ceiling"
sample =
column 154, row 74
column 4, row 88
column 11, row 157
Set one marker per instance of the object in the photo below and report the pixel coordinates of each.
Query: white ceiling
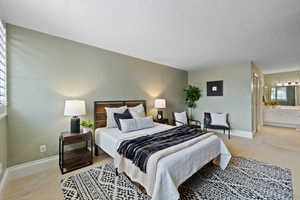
column 186, row 34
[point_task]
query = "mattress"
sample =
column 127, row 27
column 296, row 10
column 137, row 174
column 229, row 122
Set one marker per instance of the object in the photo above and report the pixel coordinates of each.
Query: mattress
column 108, row 139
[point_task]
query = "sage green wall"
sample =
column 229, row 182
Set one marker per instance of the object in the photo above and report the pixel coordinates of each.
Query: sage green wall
column 236, row 99
column 45, row 70
column 3, row 145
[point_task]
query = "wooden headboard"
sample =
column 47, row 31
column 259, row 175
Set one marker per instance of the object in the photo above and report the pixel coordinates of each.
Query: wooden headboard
column 100, row 113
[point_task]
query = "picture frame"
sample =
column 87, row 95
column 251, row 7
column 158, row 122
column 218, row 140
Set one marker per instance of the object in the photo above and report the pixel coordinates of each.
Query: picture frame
column 214, row 88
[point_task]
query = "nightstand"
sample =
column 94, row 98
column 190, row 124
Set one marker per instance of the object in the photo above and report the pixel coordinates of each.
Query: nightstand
column 81, row 156
column 162, row 121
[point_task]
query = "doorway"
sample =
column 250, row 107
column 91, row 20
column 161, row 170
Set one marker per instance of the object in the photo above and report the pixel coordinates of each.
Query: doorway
column 255, row 103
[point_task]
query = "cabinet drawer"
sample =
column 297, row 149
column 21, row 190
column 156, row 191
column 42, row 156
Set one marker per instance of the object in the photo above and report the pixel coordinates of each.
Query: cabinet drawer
column 76, row 157
column 76, row 139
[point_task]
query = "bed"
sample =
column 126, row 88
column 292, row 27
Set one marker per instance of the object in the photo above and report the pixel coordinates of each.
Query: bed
column 171, row 170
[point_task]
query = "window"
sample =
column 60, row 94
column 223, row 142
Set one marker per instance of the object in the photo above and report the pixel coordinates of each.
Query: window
column 3, row 85
column 273, row 94
column 279, row 94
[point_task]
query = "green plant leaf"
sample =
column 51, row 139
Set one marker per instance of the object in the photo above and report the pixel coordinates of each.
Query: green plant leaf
column 88, row 124
column 192, row 95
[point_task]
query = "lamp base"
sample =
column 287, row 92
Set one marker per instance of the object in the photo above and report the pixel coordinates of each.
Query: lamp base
column 160, row 114
column 75, row 125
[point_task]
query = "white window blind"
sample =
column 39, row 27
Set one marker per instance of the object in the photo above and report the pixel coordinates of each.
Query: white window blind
column 3, row 67
column 279, row 94
column 282, row 93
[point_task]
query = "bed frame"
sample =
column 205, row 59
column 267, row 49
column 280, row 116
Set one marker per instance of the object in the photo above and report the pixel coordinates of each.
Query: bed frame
column 100, row 113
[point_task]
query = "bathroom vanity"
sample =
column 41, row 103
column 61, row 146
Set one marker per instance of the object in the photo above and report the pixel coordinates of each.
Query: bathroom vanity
column 283, row 116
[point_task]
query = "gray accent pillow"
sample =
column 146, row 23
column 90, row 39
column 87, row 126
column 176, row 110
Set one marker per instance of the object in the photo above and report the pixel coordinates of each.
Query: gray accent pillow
column 128, row 125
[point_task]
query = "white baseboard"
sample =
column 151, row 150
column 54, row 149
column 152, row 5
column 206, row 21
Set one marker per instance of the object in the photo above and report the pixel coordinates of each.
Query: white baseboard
column 3, row 183
column 33, row 167
column 242, row 133
column 236, row 132
column 286, row 125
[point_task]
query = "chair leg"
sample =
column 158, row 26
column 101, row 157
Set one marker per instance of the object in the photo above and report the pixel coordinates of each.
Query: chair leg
column 224, row 131
column 229, row 134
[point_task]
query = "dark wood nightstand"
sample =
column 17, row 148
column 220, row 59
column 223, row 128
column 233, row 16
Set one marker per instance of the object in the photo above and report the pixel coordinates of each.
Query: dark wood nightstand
column 162, row 121
column 79, row 157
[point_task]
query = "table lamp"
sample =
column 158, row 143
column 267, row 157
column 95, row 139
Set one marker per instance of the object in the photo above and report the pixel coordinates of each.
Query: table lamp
column 75, row 108
column 160, row 104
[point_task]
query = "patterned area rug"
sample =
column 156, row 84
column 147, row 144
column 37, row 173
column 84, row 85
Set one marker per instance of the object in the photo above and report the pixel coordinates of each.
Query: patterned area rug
column 243, row 179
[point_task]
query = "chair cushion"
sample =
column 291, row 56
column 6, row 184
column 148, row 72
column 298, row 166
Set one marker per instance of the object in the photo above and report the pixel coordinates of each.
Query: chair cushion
column 180, row 117
column 219, row 119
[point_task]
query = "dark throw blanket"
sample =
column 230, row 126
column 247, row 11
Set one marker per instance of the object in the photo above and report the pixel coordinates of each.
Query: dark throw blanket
column 140, row 149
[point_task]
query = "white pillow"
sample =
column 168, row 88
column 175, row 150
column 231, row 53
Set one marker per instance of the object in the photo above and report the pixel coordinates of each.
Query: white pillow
column 181, row 117
column 110, row 120
column 128, row 125
column 218, row 119
column 137, row 111
column 137, row 115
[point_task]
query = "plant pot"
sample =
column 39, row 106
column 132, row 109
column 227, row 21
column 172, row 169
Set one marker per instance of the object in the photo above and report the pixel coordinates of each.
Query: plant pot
column 86, row 129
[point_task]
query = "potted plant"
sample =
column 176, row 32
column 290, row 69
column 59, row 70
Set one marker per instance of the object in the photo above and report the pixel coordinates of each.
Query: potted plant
column 192, row 95
column 87, row 126
column 273, row 104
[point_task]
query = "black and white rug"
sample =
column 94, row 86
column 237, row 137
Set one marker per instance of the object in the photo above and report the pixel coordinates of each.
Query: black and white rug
column 243, row 179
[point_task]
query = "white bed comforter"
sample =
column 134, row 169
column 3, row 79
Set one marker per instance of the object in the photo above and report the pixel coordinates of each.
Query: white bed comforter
column 171, row 170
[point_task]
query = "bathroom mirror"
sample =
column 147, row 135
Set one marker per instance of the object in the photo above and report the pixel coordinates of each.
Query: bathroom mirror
column 283, row 95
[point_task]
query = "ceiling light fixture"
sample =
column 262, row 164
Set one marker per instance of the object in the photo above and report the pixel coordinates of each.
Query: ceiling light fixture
column 279, row 84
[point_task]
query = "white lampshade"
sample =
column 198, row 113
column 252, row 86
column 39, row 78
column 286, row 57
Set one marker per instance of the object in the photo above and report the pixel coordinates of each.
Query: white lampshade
column 160, row 103
column 74, row 108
